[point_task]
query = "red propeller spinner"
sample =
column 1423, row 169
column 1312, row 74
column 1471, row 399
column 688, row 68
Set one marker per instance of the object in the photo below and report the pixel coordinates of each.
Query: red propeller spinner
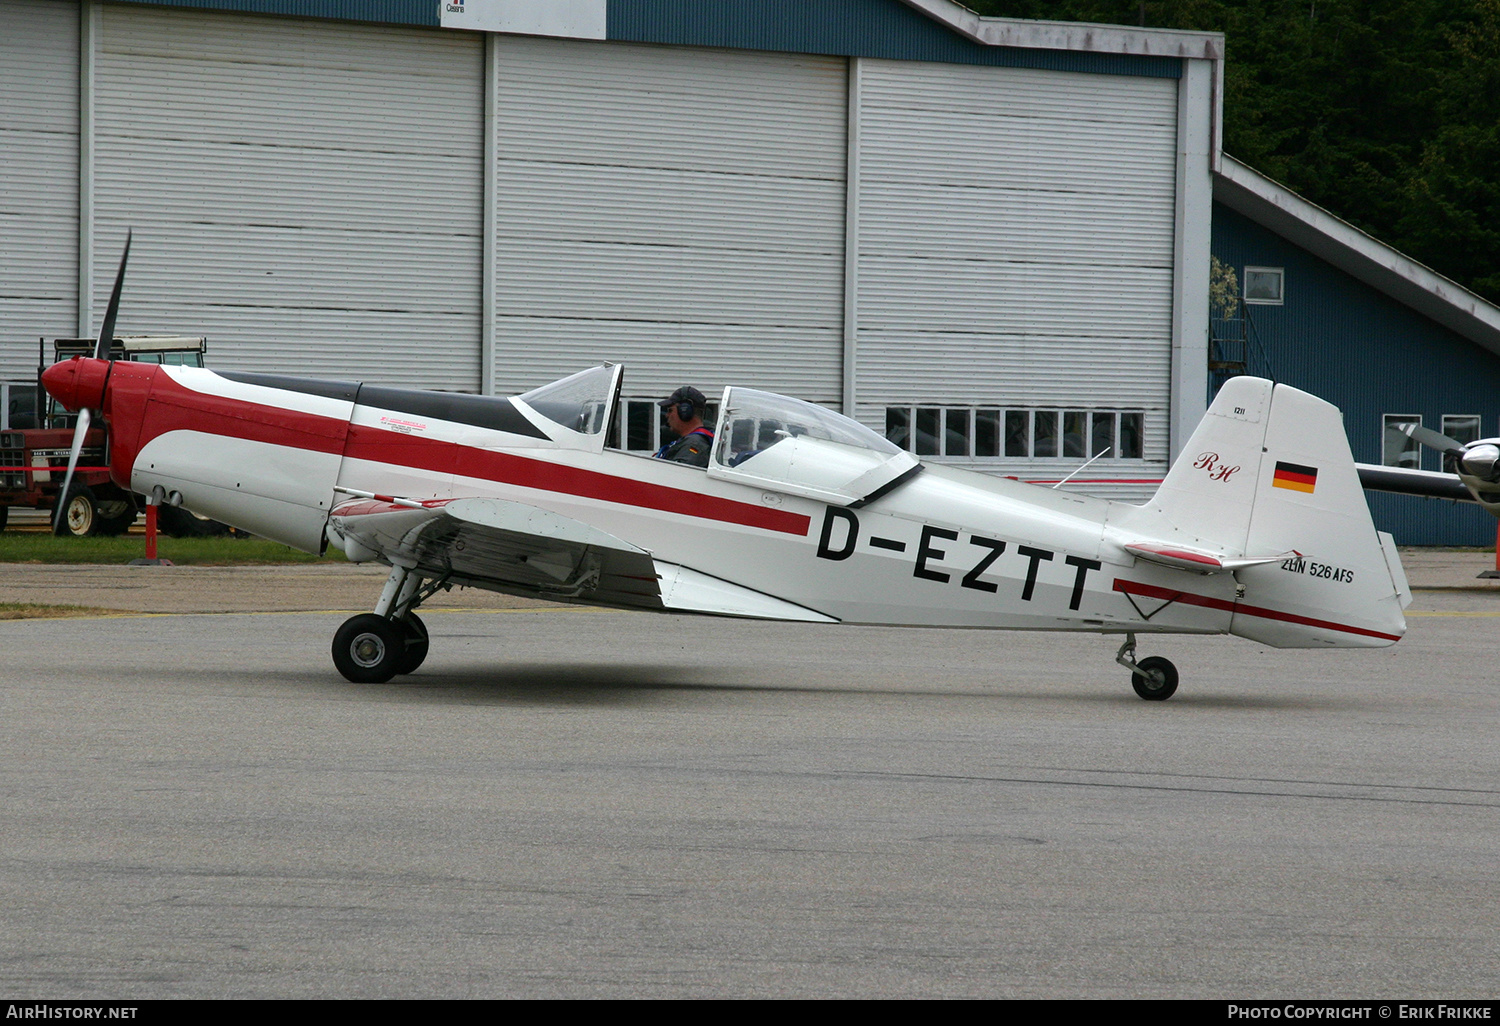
column 77, row 383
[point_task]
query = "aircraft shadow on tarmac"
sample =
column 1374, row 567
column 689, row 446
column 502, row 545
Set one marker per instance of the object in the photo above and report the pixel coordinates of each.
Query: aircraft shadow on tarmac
column 634, row 684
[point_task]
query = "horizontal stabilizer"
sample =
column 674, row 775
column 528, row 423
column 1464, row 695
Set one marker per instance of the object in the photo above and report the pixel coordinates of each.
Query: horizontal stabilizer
column 1180, row 558
column 1410, row 481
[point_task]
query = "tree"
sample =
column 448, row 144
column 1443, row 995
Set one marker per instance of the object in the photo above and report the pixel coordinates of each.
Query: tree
column 1382, row 111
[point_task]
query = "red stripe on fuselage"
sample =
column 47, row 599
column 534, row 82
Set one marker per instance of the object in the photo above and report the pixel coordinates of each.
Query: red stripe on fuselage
column 174, row 407
column 1171, row 595
column 367, row 443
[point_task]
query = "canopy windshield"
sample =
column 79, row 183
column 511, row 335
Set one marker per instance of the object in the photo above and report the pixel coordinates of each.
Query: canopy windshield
column 579, row 402
column 794, row 446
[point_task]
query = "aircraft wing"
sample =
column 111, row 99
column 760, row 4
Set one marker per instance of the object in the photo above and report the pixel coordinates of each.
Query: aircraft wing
column 510, row 547
column 1407, row 481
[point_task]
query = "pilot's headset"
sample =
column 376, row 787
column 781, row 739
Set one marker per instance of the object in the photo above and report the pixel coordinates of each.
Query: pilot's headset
column 685, row 402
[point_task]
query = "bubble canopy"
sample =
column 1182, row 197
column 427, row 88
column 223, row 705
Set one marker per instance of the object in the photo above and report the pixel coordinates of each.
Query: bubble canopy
column 763, row 440
column 788, row 445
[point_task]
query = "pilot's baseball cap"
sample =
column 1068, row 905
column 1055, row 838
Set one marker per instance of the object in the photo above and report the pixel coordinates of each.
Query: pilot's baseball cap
column 685, row 394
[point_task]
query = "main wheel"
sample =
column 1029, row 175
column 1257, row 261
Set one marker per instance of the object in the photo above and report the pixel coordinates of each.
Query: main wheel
column 79, row 516
column 416, row 643
column 1157, row 679
column 368, row 649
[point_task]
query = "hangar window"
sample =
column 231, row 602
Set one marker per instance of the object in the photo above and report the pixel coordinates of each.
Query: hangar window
column 980, row 432
column 1398, row 449
column 1264, row 285
column 1461, row 427
column 642, row 425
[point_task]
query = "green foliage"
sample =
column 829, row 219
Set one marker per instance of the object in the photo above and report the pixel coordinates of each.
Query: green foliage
column 1382, row 111
column 1223, row 289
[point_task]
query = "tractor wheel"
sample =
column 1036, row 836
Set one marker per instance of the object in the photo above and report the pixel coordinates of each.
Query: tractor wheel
column 76, row 516
column 177, row 522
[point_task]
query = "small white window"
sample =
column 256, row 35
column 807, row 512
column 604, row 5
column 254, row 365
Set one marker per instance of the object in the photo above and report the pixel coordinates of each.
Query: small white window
column 1264, row 285
column 1398, row 449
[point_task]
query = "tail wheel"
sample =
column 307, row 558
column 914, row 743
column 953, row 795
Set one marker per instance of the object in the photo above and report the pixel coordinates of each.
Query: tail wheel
column 369, row 649
column 77, row 516
column 415, row 652
column 1155, row 679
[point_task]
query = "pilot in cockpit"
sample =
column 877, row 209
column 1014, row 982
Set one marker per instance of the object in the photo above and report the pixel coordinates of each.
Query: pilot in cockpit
column 685, row 408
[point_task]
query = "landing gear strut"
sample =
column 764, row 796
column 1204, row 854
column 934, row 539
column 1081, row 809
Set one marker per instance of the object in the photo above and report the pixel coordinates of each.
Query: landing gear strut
column 1154, row 678
column 371, row 648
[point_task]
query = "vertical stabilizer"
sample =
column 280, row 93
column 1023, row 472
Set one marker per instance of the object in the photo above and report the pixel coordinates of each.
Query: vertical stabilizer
column 1209, row 494
column 1268, row 473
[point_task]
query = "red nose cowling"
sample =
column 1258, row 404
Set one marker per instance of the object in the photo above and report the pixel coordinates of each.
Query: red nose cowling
column 77, row 383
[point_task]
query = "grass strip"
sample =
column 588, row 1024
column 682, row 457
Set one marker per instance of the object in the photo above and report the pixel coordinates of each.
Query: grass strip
column 39, row 611
column 36, row 547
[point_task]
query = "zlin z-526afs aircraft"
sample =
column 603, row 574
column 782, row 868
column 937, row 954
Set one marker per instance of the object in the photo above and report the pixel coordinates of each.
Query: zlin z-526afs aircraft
column 1260, row 529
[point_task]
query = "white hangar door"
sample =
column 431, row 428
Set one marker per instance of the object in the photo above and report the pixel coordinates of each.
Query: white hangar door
column 1015, row 250
column 680, row 210
column 304, row 193
column 39, row 194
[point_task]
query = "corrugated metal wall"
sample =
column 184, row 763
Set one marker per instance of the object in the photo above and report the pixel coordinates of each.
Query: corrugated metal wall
column 1369, row 355
column 309, row 195
column 1016, row 242
column 304, row 193
column 677, row 209
column 886, row 29
column 39, row 188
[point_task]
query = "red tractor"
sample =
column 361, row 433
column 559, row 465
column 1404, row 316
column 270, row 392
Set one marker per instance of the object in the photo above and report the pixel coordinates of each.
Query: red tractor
column 34, row 447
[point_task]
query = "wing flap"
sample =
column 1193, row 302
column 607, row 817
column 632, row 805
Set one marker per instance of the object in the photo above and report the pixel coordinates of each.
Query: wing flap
column 689, row 591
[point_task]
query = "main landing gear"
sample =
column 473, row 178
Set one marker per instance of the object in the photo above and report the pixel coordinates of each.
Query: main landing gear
column 1154, row 678
column 371, row 648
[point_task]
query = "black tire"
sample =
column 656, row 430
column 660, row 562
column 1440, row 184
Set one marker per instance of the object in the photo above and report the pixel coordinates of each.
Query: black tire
column 368, row 649
column 416, row 643
column 1157, row 682
column 4, row 516
column 77, row 515
column 176, row 522
column 115, row 515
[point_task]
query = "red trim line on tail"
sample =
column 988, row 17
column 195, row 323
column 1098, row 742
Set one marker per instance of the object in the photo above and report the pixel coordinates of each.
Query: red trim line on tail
column 1173, row 595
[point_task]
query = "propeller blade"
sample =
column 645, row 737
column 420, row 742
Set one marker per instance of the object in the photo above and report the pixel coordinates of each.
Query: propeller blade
column 107, row 331
column 84, row 419
column 1432, row 439
column 101, row 352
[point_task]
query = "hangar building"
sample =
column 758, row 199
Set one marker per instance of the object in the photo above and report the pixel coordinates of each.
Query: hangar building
column 1333, row 311
column 988, row 237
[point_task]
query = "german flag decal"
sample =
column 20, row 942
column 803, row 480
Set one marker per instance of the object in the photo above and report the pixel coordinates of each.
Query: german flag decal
column 1295, row 476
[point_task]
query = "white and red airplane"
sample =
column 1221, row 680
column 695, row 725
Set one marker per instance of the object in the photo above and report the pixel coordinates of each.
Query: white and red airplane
column 1260, row 530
